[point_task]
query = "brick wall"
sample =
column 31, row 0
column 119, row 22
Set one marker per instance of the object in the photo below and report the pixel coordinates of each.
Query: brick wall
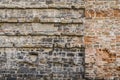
column 102, row 31
column 59, row 39
column 41, row 40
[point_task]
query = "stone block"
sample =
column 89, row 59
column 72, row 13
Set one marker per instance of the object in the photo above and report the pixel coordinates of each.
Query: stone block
column 41, row 15
column 40, row 4
column 41, row 29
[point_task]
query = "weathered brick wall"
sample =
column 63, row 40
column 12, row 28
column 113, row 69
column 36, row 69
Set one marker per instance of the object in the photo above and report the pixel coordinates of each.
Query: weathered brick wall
column 59, row 39
column 102, row 39
column 41, row 40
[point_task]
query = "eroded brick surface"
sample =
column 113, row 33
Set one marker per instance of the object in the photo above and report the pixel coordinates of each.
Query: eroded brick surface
column 102, row 33
column 42, row 40
column 59, row 39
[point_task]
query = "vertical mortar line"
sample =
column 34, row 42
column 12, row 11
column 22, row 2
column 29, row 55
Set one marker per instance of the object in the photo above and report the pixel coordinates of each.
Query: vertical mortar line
column 84, row 44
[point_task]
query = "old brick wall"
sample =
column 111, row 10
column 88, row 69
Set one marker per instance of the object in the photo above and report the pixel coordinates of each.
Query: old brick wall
column 102, row 39
column 41, row 40
column 59, row 39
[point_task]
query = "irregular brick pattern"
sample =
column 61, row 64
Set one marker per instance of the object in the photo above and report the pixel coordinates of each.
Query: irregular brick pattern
column 102, row 33
column 41, row 40
column 59, row 39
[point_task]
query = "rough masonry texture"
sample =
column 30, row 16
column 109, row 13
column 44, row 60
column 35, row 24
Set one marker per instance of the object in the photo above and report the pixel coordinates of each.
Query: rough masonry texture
column 59, row 39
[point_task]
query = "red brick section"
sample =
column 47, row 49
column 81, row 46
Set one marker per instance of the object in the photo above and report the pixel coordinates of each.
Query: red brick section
column 102, row 39
column 102, row 13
